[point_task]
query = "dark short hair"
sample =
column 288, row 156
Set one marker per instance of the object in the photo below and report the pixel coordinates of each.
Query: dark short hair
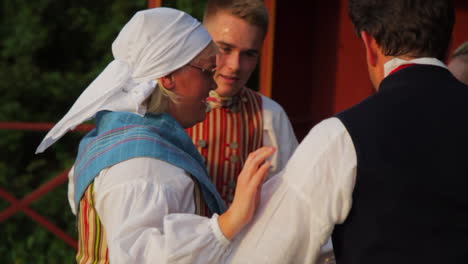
column 252, row 11
column 417, row 28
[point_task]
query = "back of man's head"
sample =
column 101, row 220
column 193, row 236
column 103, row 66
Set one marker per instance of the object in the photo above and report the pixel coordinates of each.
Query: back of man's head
column 415, row 28
column 252, row 11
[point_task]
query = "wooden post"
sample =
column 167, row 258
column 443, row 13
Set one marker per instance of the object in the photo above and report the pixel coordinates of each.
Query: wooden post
column 154, row 3
column 266, row 60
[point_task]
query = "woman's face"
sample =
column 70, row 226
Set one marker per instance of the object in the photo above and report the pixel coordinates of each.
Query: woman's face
column 192, row 85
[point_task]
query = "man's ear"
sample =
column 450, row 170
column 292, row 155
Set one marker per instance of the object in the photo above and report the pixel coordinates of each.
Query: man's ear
column 168, row 81
column 371, row 48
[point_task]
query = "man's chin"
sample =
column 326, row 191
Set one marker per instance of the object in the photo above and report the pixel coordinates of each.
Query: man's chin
column 227, row 90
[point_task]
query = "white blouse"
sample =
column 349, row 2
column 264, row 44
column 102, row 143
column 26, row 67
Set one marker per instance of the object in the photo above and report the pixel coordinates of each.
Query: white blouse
column 147, row 208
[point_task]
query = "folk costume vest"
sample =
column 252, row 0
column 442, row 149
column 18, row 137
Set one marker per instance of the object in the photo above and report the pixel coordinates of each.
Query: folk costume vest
column 92, row 243
column 232, row 129
column 120, row 136
column 410, row 202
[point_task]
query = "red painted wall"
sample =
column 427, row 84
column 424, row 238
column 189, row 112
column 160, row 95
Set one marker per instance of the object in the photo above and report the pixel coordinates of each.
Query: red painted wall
column 319, row 65
column 460, row 31
column 304, row 70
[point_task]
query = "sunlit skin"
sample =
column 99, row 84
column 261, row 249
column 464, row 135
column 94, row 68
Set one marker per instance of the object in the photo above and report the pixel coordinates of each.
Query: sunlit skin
column 459, row 68
column 192, row 86
column 239, row 45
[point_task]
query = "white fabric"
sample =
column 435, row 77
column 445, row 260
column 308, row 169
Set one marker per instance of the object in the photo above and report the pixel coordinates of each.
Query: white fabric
column 392, row 64
column 277, row 132
column 169, row 222
column 300, row 206
column 154, row 43
column 146, row 206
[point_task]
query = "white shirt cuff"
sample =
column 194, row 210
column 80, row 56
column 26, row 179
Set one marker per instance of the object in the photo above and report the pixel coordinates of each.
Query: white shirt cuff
column 217, row 231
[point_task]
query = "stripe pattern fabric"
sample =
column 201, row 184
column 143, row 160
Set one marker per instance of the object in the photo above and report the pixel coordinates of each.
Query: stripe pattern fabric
column 226, row 137
column 200, row 206
column 120, row 136
column 92, row 244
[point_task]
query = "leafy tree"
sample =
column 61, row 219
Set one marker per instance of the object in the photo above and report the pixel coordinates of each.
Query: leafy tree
column 49, row 51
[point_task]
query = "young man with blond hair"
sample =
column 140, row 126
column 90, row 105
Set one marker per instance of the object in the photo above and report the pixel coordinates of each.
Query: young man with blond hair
column 239, row 120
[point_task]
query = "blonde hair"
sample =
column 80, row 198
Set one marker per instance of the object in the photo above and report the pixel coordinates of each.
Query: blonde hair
column 159, row 100
column 252, row 11
column 461, row 50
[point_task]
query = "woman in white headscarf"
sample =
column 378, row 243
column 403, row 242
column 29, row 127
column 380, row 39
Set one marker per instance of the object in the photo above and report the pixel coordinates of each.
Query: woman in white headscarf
column 138, row 181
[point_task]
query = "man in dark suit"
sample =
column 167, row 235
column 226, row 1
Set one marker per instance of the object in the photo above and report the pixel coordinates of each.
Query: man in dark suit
column 388, row 178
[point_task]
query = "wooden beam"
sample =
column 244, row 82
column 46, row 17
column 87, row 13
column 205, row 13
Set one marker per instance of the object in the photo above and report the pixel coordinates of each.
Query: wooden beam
column 266, row 60
column 154, row 3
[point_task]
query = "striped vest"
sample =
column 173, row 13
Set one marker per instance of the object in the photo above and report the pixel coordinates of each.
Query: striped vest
column 226, row 137
column 92, row 243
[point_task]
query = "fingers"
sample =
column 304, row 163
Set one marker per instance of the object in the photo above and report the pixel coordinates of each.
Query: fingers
column 258, row 157
column 259, row 176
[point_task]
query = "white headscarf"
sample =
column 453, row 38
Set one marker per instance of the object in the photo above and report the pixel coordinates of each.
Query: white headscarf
column 154, row 43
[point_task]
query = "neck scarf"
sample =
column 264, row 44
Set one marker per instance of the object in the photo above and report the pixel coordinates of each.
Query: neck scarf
column 120, row 136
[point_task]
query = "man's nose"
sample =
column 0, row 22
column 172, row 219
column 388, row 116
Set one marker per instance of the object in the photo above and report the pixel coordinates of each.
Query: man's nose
column 233, row 61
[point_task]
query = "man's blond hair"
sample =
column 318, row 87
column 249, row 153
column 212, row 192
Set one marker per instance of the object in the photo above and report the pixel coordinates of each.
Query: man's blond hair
column 252, row 11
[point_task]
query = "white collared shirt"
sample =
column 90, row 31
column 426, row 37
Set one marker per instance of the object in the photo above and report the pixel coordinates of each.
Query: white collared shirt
column 300, row 207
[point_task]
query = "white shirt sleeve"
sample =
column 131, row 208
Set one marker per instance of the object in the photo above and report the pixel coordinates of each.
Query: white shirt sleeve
column 146, row 207
column 300, row 206
column 277, row 132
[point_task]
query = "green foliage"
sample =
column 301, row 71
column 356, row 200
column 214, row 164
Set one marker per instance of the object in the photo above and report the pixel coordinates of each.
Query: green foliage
column 49, row 51
column 194, row 8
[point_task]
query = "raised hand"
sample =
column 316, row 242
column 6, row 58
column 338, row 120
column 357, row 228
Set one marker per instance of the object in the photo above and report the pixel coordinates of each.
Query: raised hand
column 247, row 192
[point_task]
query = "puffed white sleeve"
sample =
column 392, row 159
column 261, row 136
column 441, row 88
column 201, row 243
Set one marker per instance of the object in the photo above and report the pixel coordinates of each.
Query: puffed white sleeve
column 146, row 207
column 300, row 206
column 277, row 132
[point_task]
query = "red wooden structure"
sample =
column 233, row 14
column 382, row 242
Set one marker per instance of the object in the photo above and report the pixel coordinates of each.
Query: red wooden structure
column 17, row 205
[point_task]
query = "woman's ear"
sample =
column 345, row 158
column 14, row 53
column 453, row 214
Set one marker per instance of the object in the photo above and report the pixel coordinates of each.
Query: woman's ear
column 168, row 81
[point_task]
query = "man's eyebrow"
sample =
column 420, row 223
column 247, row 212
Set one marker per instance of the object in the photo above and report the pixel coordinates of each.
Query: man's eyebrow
column 222, row 43
column 228, row 45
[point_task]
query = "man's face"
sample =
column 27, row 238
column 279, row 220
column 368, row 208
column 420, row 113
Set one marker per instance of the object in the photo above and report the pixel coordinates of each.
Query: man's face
column 239, row 45
column 459, row 68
